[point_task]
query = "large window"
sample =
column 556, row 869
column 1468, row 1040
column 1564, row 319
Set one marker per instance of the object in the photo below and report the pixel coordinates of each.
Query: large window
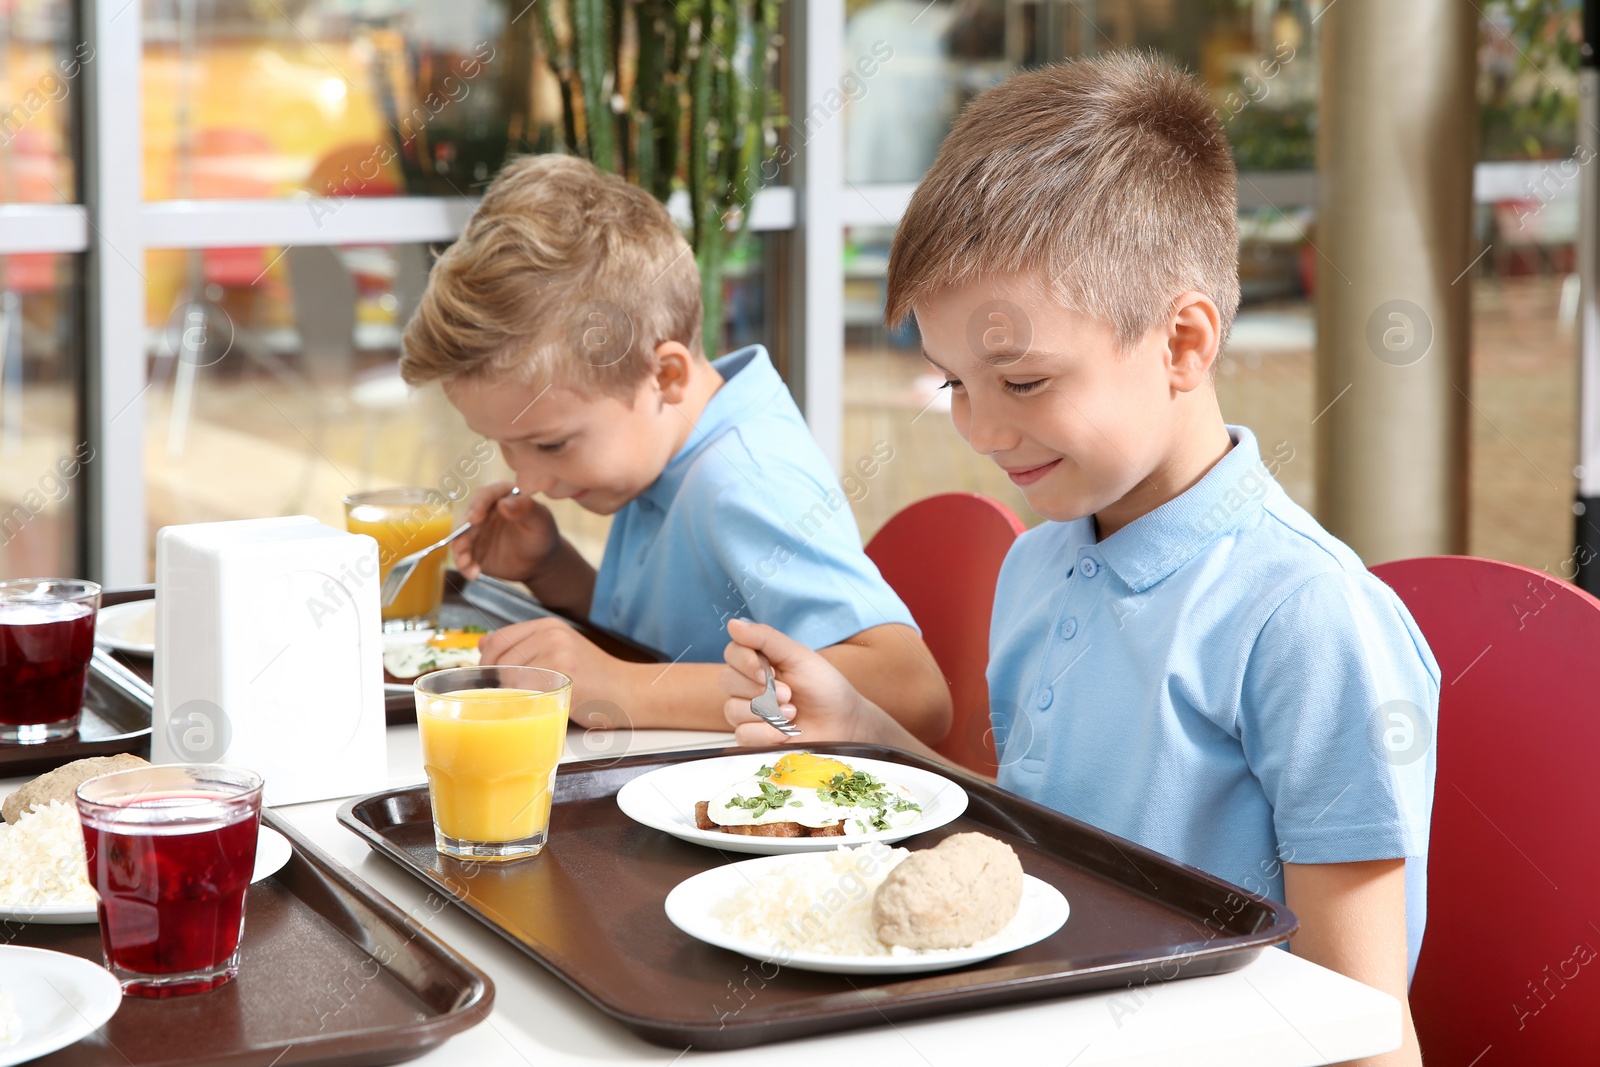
column 204, row 299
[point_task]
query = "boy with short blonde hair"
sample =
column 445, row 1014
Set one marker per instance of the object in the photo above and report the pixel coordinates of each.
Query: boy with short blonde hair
column 1181, row 656
column 564, row 325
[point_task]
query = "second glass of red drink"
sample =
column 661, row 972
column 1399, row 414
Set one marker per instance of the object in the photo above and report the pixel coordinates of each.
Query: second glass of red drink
column 46, row 639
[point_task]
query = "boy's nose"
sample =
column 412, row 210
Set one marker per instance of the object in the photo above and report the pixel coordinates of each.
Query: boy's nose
column 530, row 484
column 987, row 433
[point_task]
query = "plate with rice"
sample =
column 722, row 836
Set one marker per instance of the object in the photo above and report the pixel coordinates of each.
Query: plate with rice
column 814, row 912
column 44, row 877
column 847, row 800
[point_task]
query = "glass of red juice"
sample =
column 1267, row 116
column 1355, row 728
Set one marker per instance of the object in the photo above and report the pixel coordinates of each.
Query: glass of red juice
column 171, row 850
column 46, row 639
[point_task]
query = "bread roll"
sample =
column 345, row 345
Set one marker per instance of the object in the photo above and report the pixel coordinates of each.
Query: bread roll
column 63, row 782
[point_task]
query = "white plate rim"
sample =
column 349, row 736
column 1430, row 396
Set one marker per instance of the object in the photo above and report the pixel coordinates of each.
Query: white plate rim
column 688, row 908
column 273, row 851
column 98, row 989
column 116, row 613
column 643, row 801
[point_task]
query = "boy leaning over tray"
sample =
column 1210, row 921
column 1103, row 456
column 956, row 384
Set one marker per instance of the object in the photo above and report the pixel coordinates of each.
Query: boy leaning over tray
column 565, row 326
column 1180, row 655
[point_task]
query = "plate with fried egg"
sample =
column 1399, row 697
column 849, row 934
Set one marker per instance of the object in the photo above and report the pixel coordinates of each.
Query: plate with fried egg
column 409, row 654
column 770, row 804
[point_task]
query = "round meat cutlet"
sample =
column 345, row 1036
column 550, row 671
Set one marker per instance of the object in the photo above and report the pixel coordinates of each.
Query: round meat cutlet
column 772, row 829
column 964, row 889
column 63, row 782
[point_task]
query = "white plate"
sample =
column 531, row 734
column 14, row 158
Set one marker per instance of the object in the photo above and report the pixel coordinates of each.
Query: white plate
column 116, row 627
column 272, row 852
column 664, row 799
column 59, row 999
column 689, row 905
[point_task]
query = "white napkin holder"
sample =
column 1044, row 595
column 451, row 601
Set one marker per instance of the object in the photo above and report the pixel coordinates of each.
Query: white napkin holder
column 269, row 655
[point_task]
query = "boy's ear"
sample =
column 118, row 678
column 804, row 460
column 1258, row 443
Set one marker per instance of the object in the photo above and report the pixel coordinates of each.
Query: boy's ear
column 674, row 367
column 1193, row 334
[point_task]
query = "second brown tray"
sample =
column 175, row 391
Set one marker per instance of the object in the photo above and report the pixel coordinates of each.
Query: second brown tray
column 329, row 973
column 590, row 909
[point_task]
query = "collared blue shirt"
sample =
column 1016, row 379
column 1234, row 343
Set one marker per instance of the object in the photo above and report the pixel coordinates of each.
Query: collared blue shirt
column 1221, row 680
column 747, row 520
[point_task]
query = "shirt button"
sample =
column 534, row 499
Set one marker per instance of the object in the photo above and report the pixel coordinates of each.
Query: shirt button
column 1045, row 697
column 1090, row 567
column 1069, row 629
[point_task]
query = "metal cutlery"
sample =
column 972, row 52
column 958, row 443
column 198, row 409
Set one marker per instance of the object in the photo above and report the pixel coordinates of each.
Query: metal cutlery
column 406, row 566
column 765, row 706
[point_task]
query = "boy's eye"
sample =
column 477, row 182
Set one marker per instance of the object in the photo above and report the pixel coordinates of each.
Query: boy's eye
column 1022, row 388
column 952, row 384
column 552, row 447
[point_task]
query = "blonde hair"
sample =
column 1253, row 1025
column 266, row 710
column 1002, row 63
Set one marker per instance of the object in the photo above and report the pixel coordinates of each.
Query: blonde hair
column 1110, row 177
column 564, row 275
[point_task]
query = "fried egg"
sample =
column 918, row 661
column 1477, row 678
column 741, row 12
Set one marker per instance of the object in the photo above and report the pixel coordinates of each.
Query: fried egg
column 445, row 648
column 814, row 791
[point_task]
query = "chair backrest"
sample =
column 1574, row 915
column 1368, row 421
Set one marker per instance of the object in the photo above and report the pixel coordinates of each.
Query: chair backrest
column 942, row 556
column 1511, row 955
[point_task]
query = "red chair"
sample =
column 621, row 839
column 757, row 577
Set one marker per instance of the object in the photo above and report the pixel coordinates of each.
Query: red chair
column 1510, row 964
column 943, row 556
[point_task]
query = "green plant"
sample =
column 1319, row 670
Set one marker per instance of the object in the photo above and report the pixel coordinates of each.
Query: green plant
column 671, row 94
column 1528, row 105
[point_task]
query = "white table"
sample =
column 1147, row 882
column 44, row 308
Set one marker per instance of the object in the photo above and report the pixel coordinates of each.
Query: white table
column 1278, row 1011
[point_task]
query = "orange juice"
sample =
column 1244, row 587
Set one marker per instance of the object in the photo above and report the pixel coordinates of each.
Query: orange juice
column 491, row 759
column 404, row 521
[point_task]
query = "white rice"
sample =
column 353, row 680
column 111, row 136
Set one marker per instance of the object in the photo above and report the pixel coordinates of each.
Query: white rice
column 42, row 860
column 814, row 902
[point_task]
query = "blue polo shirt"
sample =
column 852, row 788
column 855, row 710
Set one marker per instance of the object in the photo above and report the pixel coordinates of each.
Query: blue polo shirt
column 747, row 520
column 1222, row 681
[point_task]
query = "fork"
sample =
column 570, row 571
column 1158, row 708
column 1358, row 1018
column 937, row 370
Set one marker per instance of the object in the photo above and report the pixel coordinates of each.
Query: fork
column 405, row 566
column 765, row 706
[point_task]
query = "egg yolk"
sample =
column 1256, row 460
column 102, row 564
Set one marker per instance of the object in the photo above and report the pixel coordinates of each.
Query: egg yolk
column 454, row 639
column 806, row 771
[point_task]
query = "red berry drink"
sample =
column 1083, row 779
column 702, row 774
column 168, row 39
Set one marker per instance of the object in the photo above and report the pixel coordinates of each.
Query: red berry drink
column 46, row 639
column 171, row 862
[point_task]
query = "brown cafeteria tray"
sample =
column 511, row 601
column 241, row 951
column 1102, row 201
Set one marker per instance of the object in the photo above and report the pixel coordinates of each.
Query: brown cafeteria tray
column 113, row 719
column 590, row 909
column 329, row 973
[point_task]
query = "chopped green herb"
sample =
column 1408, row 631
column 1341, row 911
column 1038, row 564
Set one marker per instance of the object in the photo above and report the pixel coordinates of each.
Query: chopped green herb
column 771, row 797
column 861, row 790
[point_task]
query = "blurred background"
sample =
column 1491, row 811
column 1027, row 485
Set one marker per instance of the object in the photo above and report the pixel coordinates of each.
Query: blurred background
column 269, row 361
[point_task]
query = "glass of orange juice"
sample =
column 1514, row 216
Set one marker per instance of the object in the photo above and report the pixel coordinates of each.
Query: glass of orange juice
column 491, row 739
column 404, row 521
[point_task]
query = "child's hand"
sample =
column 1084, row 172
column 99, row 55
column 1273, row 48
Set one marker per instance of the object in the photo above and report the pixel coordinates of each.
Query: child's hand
column 512, row 537
column 555, row 645
column 811, row 691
